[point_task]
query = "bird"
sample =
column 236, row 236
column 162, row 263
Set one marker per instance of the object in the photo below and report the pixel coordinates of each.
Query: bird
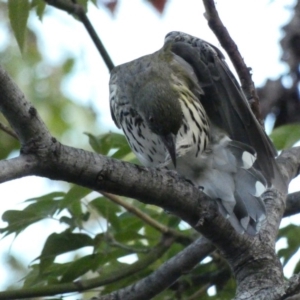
column 181, row 108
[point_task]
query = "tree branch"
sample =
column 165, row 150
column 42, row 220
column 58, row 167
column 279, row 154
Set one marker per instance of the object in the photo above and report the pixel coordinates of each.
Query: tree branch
column 292, row 204
column 18, row 167
column 292, row 288
column 165, row 275
column 20, row 114
column 219, row 277
column 182, row 238
column 6, row 129
column 289, row 164
column 231, row 48
column 78, row 11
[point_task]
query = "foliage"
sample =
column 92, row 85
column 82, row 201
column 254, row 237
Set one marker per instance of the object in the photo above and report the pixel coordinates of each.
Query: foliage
column 286, row 136
column 42, row 83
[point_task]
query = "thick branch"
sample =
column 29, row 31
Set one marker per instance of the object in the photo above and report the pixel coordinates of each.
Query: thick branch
column 231, row 48
column 17, row 167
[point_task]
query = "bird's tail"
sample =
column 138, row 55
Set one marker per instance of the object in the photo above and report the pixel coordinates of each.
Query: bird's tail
column 236, row 184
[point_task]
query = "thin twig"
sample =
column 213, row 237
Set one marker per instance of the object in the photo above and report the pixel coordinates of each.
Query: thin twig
column 8, row 130
column 112, row 242
column 78, row 10
column 216, row 25
column 184, row 239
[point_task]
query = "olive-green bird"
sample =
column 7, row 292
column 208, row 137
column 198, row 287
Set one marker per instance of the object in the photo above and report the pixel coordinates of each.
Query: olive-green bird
column 182, row 108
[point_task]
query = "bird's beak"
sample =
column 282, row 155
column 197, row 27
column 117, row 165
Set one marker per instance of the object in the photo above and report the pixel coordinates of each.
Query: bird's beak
column 169, row 141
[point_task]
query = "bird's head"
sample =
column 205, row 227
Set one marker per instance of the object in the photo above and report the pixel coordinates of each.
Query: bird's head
column 157, row 103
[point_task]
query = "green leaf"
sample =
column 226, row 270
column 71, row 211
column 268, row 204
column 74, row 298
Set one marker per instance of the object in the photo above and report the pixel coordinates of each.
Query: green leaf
column 122, row 152
column 285, row 136
column 173, row 221
column 72, row 202
column 75, row 194
column 34, row 278
column 107, row 210
column 130, row 222
column 116, row 142
column 84, row 4
column 297, row 268
column 31, row 278
column 109, row 141
column 81, row 266
column 18, row 221
column 152, row 235
column 91, row 262
column 129, row 237
column 59, row 243
column 52, row 196
column 40, row 6
column 68, row 65
column 43, row 207
column 18, row 11
column 291, row 233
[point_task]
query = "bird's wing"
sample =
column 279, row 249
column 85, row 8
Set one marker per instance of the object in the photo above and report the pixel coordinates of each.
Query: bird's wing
column 113, row 86
column 121, row 85
column 223, row 99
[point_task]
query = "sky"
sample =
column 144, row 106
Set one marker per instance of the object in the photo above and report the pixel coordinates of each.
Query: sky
column 135, row 30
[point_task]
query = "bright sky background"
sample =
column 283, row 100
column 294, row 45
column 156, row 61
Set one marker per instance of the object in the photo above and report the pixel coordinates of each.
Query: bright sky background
column 136, row 30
